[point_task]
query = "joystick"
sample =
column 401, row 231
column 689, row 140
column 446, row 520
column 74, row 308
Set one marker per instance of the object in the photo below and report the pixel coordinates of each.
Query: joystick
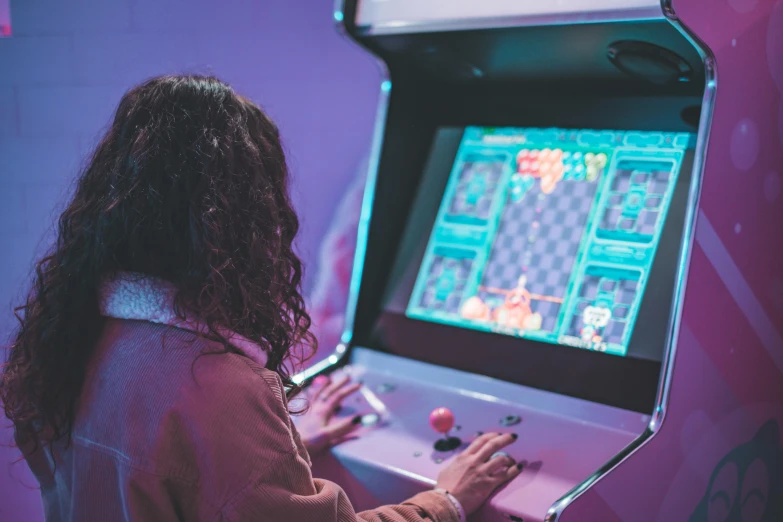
column 442, row 421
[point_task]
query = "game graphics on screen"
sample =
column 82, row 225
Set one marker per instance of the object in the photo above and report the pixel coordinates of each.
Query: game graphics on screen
column 549, row 234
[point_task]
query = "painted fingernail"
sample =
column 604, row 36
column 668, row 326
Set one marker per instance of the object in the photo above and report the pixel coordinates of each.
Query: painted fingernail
column 514, row 436
column 356, row 420
column 479, row 433
column 520, row 466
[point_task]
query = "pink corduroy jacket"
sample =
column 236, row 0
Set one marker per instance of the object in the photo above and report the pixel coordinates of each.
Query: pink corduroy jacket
column 162, row 434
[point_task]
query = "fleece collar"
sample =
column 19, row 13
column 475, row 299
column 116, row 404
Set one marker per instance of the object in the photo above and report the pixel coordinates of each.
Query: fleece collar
column 138, row 297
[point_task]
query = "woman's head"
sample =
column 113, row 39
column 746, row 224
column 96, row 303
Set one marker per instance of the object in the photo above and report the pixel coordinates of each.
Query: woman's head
column 189, row 185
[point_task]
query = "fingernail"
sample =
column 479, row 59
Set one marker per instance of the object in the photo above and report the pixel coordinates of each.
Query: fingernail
column 338, row 409
column 520, row 466
column 514, row 436
column 479, row 433
column 356, row 420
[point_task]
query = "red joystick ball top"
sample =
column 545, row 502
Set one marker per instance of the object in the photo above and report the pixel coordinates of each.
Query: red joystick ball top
column 442, row 420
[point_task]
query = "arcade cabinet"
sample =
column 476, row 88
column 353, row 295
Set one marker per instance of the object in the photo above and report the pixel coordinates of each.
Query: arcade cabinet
column 527, row 229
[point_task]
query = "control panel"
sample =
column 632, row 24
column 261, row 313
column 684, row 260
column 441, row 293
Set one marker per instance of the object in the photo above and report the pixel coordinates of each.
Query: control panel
column 417, row 417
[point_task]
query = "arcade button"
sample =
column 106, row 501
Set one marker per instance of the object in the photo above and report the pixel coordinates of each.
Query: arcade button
column 442, row 421
column 385, row 388
column 510, row 420
column 371, row 419
column 500, row 454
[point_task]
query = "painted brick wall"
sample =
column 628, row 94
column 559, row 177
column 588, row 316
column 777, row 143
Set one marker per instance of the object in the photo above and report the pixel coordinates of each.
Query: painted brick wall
column 66, row 66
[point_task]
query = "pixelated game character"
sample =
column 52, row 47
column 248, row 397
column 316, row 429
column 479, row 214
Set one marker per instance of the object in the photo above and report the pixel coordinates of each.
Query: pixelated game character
column 587, row 332
column 475, row 309
column 515, row 310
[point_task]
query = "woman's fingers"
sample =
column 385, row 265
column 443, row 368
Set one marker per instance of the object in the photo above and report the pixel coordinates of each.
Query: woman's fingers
column 495, row 444
column 318, row 386
column 479, row 443
column 338, row 430
column 332, row 387
column 509, row 474
column 347, row 438
column 337, row 397
column 499, row 462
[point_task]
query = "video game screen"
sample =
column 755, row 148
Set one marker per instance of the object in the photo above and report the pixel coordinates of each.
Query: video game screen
column 549, row 234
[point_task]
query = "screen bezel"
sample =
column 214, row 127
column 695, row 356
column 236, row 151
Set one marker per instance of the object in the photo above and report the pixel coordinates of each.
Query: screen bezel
column 626, row 382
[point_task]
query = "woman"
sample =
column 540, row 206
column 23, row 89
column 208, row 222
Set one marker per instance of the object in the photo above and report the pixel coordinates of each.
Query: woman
column 149, row 376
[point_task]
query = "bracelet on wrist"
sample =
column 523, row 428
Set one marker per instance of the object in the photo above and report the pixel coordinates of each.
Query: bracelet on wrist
column 454, row 502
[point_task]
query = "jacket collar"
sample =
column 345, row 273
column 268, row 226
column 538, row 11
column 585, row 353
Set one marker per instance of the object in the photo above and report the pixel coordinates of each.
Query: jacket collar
column 138, row 297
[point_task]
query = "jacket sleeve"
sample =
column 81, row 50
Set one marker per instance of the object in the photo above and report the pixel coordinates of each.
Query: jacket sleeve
column 290, row 493
column 285, row 489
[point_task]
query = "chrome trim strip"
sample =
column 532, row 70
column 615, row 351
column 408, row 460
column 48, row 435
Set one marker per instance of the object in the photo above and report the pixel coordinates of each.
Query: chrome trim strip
column 589, row 17
column 554, row 512
column 320, row 366
column 367, row 203
column 699, row 161
column 366, row 212
column 675, row 318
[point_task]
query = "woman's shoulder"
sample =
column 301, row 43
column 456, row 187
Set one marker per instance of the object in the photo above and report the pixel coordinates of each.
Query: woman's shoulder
column 227, row 376
column 179, row 406
column 184, row 372
column 237, row 408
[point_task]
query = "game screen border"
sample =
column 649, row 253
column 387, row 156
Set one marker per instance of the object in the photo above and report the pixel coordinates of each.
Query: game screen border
column 621, row 165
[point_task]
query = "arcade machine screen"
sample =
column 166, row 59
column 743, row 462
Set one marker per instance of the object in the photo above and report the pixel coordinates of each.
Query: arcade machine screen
column 551, row 236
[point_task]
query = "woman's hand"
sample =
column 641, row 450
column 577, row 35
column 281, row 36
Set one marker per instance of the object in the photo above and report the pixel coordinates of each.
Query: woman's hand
column 317, row 427
column 474, row 474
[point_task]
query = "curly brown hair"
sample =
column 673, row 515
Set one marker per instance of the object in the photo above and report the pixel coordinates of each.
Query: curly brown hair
column 189, row 185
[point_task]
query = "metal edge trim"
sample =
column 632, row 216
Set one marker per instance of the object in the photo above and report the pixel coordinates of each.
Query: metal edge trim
column 697, row 177
column 366, row 212
column 554, row 512
column 584, row 17
column 675, row 319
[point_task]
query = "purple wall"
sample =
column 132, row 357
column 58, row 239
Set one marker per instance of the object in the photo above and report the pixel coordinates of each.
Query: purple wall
column 68, row 63
column 5, row 18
